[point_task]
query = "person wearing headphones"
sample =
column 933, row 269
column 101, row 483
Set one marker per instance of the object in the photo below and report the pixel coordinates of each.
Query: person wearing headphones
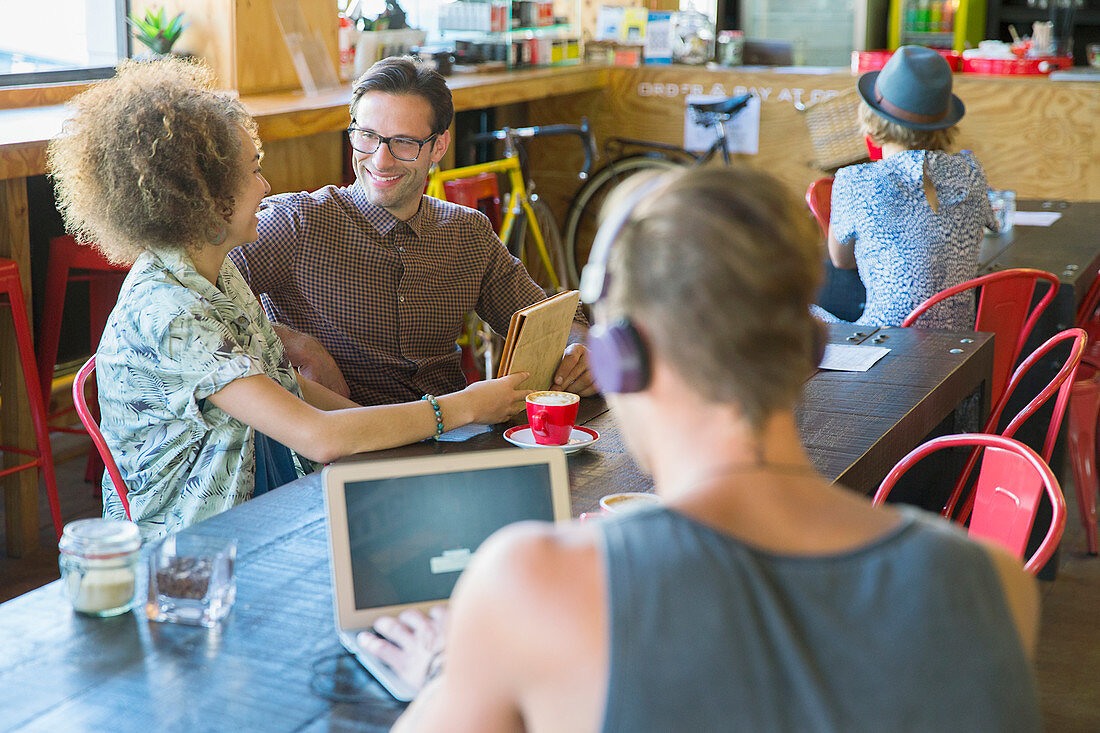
column 757, row 595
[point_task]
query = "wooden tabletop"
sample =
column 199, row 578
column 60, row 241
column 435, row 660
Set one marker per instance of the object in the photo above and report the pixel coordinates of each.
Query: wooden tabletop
column 62, row 671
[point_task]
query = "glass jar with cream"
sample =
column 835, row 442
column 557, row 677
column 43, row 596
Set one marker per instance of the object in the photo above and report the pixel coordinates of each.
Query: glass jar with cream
column 98, row 565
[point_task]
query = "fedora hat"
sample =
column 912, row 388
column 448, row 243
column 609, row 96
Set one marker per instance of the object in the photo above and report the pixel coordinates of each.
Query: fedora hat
column 913, row 90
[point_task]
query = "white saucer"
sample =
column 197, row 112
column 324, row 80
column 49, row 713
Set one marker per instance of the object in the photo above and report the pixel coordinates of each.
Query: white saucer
column 579, row 439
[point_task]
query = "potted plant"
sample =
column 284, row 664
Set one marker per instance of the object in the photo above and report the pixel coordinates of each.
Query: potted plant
column 155, row 31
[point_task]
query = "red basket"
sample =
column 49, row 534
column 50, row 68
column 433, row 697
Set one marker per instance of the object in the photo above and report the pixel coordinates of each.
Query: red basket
column 1021, row 66
column 863, row 61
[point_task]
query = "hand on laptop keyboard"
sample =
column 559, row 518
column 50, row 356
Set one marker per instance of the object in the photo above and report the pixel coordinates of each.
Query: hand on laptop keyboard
column 411, row 644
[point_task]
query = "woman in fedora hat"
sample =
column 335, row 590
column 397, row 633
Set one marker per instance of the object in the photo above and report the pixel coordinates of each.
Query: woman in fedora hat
column 913, row 222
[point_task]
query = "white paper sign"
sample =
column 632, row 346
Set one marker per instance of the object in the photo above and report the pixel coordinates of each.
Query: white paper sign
column 851, row 358
column 1036, row 218
column 742, row 131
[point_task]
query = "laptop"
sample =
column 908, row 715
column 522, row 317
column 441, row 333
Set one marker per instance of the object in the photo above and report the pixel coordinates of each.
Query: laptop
column 402, row 530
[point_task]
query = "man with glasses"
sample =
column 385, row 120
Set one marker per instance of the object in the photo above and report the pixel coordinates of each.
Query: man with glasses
column 369, row 284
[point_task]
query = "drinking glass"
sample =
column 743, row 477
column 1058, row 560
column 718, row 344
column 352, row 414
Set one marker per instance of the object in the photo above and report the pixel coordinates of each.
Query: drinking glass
column 1092, row 53
column 191, row 580
column 1004, row 209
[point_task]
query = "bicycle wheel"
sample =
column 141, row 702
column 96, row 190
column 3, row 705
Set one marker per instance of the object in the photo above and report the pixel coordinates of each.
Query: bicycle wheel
column 581, row 221
column 522, row 244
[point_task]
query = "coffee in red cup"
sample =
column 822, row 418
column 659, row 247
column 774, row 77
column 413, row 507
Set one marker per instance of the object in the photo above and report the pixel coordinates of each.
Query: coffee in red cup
column 552, row 415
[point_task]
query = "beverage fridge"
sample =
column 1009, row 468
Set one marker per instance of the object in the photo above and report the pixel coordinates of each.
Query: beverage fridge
column 945, row 24
column 821, row 32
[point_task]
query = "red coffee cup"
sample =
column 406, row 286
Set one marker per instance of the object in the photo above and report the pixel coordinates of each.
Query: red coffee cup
column 552, row 415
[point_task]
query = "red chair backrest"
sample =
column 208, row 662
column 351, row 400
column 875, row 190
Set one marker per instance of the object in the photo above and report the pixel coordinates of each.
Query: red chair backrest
column 1012, row 480
column 1004, row 308
column 88, row 420
column 819, row 197
column 1061, row 384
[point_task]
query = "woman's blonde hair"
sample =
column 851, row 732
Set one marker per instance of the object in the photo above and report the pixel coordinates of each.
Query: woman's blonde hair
column 718, row 268
column 149, row 158
column 882, row 131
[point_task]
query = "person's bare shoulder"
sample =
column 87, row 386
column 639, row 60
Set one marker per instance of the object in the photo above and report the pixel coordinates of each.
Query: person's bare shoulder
column 1021, row 593
column 535, row 588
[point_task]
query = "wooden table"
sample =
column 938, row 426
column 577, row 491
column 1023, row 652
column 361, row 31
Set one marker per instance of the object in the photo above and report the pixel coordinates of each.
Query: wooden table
column 59, row 670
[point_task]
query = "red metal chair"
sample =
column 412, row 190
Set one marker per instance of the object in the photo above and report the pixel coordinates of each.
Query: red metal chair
column 1061, row 384
column 91, row 424
column 1084, row 412
column 11, row 288
column 70, row 261
column 1012, row 480
column 819, row 197
column 1004, row 307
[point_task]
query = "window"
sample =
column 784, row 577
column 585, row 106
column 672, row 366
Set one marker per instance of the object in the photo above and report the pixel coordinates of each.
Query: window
column 62, row 40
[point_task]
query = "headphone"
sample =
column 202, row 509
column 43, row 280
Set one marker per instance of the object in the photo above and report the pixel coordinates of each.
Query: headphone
column 617, row 355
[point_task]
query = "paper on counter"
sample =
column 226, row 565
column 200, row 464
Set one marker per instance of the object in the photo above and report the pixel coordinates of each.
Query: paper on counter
column 1035, row 218
column 851, row 358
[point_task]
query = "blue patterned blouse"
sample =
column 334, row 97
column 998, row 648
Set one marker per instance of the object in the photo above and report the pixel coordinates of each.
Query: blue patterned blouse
column 906, row 252
column 173, row 340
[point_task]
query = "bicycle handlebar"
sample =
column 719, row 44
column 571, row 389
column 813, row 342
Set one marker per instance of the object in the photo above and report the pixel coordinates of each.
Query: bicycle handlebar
column 583, row 131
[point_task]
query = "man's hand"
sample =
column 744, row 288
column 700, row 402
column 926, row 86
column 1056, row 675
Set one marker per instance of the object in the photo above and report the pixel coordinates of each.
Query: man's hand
column 312, row 359
column 411, row 644
column 573, row 374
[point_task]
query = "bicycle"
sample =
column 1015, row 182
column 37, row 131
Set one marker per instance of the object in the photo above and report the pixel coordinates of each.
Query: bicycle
column 525, row 214
column 581, row 219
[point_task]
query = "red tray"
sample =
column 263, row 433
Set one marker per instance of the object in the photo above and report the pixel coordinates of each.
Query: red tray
column 863, row 61
column 1021, row 66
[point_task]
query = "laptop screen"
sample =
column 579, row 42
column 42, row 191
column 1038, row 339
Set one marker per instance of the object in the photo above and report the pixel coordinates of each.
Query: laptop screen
column 411, row 536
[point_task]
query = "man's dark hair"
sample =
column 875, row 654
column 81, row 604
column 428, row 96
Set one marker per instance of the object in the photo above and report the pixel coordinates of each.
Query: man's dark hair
column 405, row 75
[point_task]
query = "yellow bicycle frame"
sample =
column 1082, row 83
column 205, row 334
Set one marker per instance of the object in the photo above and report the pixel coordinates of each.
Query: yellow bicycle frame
column 519, row 199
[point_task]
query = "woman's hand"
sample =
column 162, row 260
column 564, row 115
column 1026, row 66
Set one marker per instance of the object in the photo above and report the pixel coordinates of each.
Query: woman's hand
column 411, row 644
column 496, row 400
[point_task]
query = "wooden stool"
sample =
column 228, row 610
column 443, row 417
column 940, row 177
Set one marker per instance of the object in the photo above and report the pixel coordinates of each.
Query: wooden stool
column 11, row 287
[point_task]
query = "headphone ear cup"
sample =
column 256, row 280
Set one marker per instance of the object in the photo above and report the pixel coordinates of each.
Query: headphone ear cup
column 618, row 357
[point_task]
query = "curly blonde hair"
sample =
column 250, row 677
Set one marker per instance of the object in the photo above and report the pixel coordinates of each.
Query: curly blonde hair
column 149, row 158
column 720, row 266
column 882, row 131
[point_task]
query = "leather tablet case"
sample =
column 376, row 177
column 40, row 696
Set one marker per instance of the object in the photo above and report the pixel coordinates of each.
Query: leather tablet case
column 537, row 336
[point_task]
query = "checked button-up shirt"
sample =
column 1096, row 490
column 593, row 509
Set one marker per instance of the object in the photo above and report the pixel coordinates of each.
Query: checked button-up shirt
column 387, row 298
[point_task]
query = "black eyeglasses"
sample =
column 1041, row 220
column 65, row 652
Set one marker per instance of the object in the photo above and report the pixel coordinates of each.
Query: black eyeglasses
column 402, row 148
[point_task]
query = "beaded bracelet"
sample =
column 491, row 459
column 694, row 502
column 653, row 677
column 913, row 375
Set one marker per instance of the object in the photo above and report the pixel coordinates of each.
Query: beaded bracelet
column 438, row 413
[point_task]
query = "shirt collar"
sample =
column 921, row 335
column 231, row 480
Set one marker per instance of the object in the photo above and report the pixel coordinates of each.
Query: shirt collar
column 383, row 221
column 178, row 264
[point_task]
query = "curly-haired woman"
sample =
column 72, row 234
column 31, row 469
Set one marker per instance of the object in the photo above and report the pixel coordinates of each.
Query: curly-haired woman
column 200, row 406
column 913, row 222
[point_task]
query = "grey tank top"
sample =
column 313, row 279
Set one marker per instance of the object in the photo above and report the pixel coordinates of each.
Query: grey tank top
column 909, row 633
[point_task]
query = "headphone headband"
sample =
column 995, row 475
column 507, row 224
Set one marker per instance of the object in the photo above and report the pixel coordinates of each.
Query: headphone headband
column 594, row 279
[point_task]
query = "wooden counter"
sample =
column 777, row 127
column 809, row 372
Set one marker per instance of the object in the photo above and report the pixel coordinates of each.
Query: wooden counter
column 1035, row 136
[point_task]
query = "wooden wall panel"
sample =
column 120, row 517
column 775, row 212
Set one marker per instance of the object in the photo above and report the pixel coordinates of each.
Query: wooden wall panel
column 304, row 163
column 263, row 62
column 241, row 40
column 1032, row 135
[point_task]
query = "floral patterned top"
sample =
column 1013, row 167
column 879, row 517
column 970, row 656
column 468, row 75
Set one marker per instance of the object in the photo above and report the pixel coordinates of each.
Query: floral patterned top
column 906, row 252
column 173, row 340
